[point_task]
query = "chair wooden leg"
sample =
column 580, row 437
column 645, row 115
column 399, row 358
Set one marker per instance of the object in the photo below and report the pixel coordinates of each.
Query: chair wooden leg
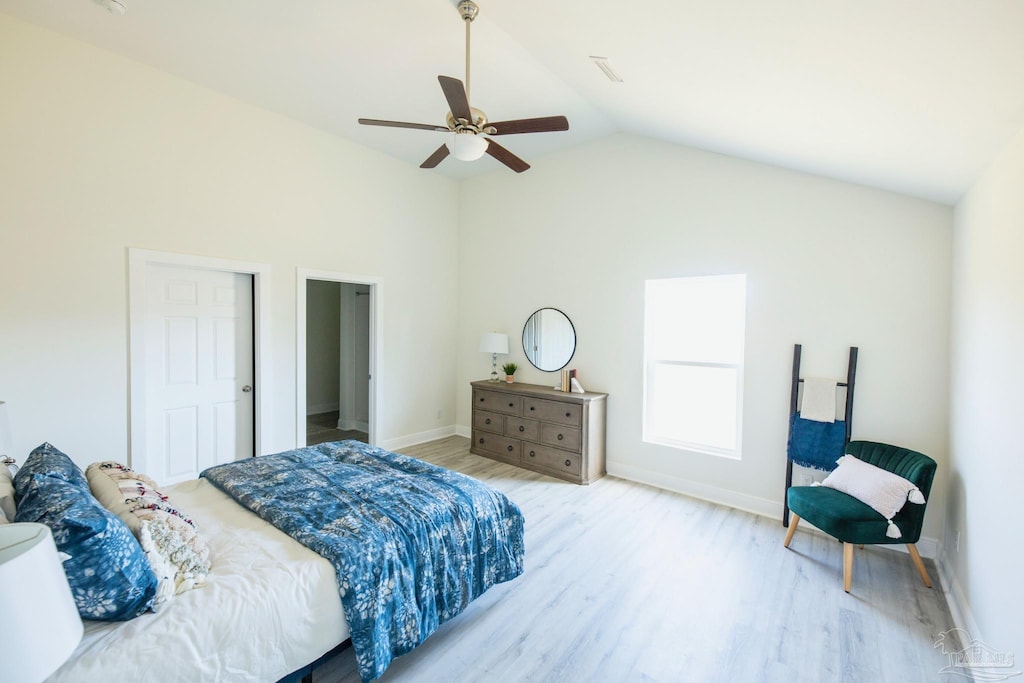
column 847, row 566
column 793, row 521
column 916, row 557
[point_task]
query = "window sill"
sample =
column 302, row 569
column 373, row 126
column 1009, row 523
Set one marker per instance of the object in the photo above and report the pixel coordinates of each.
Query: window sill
column 697, row 449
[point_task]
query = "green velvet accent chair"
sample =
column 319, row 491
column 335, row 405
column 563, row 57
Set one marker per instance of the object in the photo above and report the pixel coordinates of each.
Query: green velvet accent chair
column 853, row 522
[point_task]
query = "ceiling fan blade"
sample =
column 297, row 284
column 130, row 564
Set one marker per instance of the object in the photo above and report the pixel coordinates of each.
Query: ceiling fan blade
column 545, row 124
column 400, row 124
column 455, row 93
column 437, row 157
column 506, row 157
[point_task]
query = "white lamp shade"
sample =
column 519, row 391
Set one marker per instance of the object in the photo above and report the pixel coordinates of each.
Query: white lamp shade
column 6, row 442
column 493, row 342
column 467, row 146
column 41, row 623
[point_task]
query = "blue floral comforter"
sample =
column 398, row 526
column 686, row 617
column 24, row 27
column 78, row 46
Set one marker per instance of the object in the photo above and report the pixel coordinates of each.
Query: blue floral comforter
column 412, row 543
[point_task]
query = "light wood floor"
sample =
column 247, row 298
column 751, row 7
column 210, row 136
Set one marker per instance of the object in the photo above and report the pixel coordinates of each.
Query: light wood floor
column 625, row 582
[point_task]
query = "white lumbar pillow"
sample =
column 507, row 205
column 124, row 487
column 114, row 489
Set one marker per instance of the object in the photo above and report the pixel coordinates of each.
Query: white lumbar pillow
column 880, row 489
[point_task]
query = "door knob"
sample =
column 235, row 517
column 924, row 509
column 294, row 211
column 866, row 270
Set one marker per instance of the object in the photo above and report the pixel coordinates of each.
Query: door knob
column 247, row 388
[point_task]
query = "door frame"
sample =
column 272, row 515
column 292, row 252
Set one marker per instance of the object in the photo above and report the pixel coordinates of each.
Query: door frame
column 138, row 261
column 376, row 346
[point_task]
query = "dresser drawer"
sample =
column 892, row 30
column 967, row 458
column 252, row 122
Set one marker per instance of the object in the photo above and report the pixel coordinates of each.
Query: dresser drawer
column 497, row 402
column 553, row 411
column 522, row 428
column 505, row 448
column 568, row 438
column 488, row 422
column 535, row 455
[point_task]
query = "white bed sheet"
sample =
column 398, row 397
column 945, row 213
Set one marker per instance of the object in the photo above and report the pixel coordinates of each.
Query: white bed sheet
column 270, row 606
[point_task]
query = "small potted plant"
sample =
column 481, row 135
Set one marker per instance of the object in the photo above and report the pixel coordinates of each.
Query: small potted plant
column 510, row 371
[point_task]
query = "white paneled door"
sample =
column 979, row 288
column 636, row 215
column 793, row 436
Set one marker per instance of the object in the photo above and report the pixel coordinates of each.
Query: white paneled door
column 199, row 370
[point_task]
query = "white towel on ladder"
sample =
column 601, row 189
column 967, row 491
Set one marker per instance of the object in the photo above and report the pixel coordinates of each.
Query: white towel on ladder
column 819, row 400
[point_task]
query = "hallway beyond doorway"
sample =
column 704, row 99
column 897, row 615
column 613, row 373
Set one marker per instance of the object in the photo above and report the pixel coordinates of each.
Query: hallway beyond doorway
column 322, row 428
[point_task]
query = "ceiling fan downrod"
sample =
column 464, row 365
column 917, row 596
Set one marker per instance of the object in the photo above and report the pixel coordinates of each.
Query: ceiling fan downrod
column 468, row 11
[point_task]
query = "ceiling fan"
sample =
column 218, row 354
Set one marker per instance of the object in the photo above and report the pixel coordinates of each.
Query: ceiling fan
column 470, row 129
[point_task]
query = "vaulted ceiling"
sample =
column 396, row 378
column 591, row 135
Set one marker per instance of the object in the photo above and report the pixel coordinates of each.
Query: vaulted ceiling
column 916, row 96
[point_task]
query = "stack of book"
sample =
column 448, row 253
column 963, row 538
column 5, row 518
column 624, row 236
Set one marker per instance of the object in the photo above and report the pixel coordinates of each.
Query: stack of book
column 567, row 380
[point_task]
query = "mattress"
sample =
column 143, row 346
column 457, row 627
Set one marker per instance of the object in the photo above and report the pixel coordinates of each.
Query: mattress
column 269, row 607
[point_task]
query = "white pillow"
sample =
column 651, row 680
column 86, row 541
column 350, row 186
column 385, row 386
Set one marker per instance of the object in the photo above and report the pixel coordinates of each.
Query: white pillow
column 880, row 489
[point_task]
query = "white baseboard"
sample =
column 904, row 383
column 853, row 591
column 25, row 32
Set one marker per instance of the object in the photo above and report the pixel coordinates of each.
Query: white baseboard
column 420, row 437
column 345, row 424
column 461, row 430
column 955, row 598
column 694, row 489
column 928, row 547
column 321, row 408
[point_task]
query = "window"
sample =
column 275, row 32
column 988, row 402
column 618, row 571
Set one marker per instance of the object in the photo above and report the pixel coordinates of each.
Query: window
column 693, row 362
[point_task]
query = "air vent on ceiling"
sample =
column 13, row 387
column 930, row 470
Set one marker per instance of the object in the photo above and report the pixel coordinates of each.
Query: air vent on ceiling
column 115, row 7
column 606, row 69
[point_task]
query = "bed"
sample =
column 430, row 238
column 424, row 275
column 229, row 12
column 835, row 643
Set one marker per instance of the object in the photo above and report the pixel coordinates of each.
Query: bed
column 270, row 606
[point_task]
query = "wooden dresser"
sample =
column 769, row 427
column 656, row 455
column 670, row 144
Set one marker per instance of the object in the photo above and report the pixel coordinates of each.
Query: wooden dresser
column 538, row 428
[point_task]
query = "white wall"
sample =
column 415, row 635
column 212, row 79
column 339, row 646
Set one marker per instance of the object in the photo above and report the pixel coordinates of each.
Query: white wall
column 986, row 456
column 99, row 153
column 829, row 265
column 323, row 346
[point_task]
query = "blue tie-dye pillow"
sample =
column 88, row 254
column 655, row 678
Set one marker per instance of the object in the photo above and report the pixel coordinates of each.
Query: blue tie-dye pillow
column 48, row 461
column 109, row 575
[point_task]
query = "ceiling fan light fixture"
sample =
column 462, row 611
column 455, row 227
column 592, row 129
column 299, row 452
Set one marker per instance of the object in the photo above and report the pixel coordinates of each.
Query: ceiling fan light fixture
column 467, row 146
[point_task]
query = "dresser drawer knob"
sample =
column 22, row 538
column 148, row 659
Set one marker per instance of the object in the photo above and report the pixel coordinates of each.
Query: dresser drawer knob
column 560, row 437
column 510, row 448
column 487, row 421
column 510, row 405
column 481, row 399
column 481, row 439
column 531, row 407
column 568, row 414
column 522, row 428
column 532, row 454
column 568, row 463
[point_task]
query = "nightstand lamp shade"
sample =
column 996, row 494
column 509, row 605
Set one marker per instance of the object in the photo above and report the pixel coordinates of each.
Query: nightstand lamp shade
column 494, row 343
column 6, row 442
column 41, row 623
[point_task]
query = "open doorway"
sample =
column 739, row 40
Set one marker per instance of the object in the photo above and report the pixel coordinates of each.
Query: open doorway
column 337, row 357
column 337, row 361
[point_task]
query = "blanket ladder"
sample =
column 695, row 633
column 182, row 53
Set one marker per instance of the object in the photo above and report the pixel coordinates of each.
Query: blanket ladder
column 851, row 375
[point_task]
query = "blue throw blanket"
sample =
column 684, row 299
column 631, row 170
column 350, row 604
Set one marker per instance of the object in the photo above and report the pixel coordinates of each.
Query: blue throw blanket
column 412, row 543
column 816, row 444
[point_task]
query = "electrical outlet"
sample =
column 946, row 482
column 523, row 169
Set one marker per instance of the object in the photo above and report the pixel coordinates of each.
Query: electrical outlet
column 806, row 479
column 439, row 414
column 958, row 540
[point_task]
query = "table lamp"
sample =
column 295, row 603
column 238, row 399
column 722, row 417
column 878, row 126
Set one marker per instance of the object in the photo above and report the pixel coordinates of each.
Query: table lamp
column 6, row 442
column 494, row 343
column 41, row 623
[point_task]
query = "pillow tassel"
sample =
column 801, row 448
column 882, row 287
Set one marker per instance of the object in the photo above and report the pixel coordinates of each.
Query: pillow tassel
column 893, row 531
column 916, row 496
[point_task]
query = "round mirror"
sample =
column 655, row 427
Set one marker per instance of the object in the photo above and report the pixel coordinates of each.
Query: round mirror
column 549, row 339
